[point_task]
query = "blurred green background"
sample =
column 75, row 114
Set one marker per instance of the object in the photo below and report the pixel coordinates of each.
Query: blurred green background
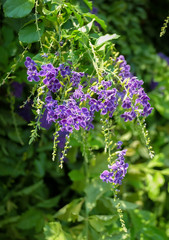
column 34, row 192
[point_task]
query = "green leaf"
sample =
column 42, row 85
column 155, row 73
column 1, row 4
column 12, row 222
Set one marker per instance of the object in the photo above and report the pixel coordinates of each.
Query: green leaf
column 157, row 161
column 76, row 175
column 88, row 3
column 101, row 40
column 98, row 222
column 141, row 222
column 9, row 169
column 31, row 218
column 110, row 204
column 94, row 190
column 70, row 212
column 161, row 102
column 29, row 34
column 18, row 8
column 86, row 28
column 3, row 56
column 2, row 210
column 49, row 203
column 165, row 171
column 58, row 2
column 54, row 231
column 154, row 182
column 151, row 233
column 93, row 16
column 30, row 189
column 9, row 220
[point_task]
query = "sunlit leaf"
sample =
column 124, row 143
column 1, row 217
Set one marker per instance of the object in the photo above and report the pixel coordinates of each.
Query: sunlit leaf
column 103, row 39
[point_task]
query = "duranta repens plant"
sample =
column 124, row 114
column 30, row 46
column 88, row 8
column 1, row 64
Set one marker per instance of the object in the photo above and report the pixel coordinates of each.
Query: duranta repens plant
column 78, row 80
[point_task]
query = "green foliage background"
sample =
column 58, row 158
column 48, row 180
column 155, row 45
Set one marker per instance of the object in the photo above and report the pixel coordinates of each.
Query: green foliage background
column 40, row 201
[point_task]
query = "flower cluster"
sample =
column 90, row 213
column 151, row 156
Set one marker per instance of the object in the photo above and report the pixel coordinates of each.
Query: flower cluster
column 72, row 99
column 117, row 171
column 107, row 95
column 50, row 73
column 32, row 72
column 106, row 100
column 69, row 115
column 133, row 95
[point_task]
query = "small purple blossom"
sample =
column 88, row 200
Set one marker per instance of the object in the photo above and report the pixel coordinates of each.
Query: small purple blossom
column 126, row 103
column 127, row 116
column 119, row 144
column 78, row 93
column 106, row 84
column 94, row 105
column 76, row 78
column 33, row 76
column 30, row 64
column 106, row 176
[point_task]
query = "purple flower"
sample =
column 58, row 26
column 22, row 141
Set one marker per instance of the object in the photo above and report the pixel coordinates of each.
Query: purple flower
column 30, row 64
column 106, row 84
column 48, row 69
column 66, row 126
column 68, row 70
column 78, row 93
column 53, row 84
column 106, row 176
column 76, row 78
column 119, row 143
column 126, row 103
column 61, row 66
column 94, row 105
column 121, row 155
column 127, row 116
column 50, row 80
column 147, row 110
column 33, row 76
